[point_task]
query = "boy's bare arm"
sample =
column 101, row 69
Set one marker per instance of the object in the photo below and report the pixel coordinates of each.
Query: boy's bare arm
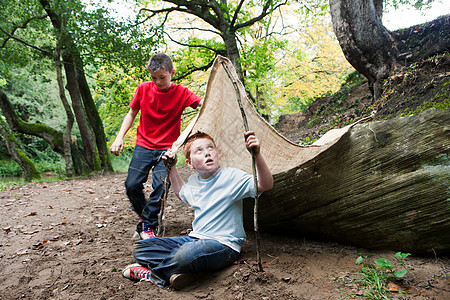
column 175, row 179
column 117, row 146
column 265, row 178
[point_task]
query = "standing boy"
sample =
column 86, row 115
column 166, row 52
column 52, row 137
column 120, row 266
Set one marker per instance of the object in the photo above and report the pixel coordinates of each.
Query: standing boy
column 217, row 230
column 161, row 104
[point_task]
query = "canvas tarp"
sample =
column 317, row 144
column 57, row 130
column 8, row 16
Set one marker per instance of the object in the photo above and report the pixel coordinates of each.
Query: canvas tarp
column 221, row 118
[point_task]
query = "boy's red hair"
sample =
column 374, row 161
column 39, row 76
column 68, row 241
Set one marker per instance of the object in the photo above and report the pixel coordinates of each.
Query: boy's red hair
column 188, row 143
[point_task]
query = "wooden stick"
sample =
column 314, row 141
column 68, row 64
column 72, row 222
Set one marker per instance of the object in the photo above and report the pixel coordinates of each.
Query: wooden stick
column 161, row 229
column 255, row 209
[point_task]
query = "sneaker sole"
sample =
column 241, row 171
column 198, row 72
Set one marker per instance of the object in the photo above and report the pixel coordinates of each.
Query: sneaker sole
column 180, row 281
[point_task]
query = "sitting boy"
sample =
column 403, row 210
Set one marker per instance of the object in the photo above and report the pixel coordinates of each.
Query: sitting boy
column 216, row 194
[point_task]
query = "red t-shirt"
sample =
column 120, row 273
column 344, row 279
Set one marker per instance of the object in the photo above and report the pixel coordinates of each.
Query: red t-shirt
column 160, row 122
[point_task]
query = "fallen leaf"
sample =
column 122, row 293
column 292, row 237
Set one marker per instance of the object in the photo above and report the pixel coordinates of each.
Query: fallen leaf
column 393, row 287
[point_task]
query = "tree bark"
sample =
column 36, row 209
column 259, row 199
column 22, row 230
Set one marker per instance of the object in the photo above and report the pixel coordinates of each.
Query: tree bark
column 367, row 44
column 70, row 118
column 29, row 170
column 54, row 137
column 229, row 39
column 94, row 118
column 376, row 52
column 50, row 135
column 86, row 133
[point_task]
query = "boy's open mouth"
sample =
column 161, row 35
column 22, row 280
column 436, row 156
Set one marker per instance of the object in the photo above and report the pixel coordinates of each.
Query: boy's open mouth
column 209, row 160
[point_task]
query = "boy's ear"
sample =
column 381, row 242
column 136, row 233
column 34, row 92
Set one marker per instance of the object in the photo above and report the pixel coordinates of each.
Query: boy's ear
column 172, row 72
column 189, row 164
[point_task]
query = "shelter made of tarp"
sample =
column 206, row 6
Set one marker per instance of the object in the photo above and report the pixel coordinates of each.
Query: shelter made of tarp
column 221, row 118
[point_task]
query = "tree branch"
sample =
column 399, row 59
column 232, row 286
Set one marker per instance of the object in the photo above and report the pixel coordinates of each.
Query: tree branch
column 158, row 11
column 196, row 28
column 194, row 69
column 217, row 51
column 196, row 8
column 236, row 12
column 23, row 26
column 263, row 14
column 25, row 43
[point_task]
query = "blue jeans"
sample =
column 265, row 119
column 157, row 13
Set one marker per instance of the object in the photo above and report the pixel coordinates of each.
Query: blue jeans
column 142, row 161
column 166, row 256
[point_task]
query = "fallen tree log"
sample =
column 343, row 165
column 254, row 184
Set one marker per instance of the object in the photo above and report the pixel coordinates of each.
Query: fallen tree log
column 383, row 185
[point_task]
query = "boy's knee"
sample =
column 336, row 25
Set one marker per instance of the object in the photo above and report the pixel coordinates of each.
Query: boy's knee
column 131, row 187
column 185, row 255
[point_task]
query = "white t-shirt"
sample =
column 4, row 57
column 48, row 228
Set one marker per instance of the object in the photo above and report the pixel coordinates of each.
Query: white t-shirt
column 218, row 205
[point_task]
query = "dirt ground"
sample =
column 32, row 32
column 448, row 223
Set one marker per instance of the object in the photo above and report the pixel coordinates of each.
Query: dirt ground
column 71, row 240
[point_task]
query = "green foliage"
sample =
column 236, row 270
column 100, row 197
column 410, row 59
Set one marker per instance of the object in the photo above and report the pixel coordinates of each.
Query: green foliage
column 9, row 167
column 354, row 79
column 306, row 142
column 311, row 66
column 113, row 90
column 120, row 163
column 194, row 58
column 33, row 93
column 105, row 40
column 418, row 4
column 373, row 278
column 48, row 162
column 441, row 100
column 89, row 31
column 259, row 61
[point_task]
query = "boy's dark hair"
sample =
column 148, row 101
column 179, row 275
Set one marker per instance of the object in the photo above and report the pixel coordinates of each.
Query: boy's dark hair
column 160, row 61
column 188, row 143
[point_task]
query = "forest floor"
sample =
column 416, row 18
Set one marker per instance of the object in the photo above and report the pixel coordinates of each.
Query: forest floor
column 71, row 239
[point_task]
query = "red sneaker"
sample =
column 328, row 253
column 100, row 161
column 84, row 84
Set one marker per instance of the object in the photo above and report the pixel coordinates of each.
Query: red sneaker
column 137, row 272
column 147, row 234
column 144, row 231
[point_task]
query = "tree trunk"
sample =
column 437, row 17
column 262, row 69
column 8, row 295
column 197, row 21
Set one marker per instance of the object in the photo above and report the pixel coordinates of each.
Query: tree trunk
column 87, row 138
column 383, row 185
column 94, row 118
column 70, row 118
column 229, row 39
column 53, row 137
column 366, row 43
column 50, row 135
column 29, row 170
